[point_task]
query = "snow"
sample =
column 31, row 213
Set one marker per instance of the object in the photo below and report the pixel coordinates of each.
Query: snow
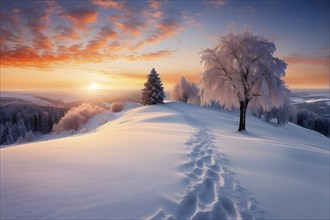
column 316, row 100
column 169, row 161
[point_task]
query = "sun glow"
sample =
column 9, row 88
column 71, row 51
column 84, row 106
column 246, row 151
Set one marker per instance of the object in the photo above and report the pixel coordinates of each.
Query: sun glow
column 93, row 86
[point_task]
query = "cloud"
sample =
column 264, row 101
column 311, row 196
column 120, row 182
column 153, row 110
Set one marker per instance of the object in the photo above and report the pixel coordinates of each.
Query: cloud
column 322, row 61
column 167, row 28
column 21, row 56
column 49, row 33
column 108, row 4
column 37, row 19
column 41, row 42
column 154, row 4
column 108, row 33
column 189, row 20
column 157, row 14
column 150, row 56
column 132, row 26
column 80, row 16
column 66, row 33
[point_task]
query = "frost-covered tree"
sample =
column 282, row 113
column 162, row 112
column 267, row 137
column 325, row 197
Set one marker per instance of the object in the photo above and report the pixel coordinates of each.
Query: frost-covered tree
column 7, row 136
column 153, row 91
column 185, row 91
column 282, row 114
column 29, row 136
column 240, row 68
column 18, row 118
column 45, row 128
column 76, row 117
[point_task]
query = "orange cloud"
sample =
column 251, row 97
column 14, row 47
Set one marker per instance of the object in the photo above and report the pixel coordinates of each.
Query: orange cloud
column 10, row 27
column 47, row 34
column 323, row 61
column 157, row 14
column 132, row 26
column 107, row 33
column 154, row 4
column 108, row 3
column 81, row 16
column 22, row 56
column 150, row 56
column 41, row 42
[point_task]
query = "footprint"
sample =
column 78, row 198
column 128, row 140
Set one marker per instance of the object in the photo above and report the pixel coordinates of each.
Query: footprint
column 196, row 150
column 213, row 174
column 207, row 159
column 193, row 154
column 201, row 216
column 188, row 166
column 192, row 176
column 228, row 206
column 215, row 167
column 205, row 190
column 209, row 151
column 218, row 212
column 187, row 206
column 200, row 163
column 198, row 171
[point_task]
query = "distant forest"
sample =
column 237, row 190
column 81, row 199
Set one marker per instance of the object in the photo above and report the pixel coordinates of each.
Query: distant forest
column 20, row 121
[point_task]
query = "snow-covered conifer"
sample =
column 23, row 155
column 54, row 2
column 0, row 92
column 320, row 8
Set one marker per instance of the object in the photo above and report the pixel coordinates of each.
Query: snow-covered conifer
column 153, row 91
column 241, row 68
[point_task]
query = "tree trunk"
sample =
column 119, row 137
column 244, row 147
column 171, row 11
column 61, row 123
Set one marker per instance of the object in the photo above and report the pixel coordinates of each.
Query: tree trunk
column 242, row 115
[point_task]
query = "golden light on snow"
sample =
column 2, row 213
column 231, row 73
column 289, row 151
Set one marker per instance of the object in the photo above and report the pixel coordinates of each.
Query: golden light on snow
column 93, row 86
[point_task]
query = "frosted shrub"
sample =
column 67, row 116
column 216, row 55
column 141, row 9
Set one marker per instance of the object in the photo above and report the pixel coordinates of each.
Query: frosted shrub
column 185, row 91
column 117, row 106
column 77, row 116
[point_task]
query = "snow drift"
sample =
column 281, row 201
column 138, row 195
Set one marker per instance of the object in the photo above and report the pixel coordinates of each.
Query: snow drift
column 171, row 161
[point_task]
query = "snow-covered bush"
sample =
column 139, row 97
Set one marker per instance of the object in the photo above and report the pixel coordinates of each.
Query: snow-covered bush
column 77, row 116
column 241, row 68
column 313, row 121
column 281, row 114
column 185, row 91
column 117, row 106
column 153, row 91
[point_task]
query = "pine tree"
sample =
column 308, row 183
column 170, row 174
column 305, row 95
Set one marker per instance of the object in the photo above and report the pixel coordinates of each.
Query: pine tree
column 153, row 92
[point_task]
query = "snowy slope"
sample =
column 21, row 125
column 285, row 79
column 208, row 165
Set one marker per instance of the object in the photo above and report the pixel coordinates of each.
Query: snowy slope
column 174, row 161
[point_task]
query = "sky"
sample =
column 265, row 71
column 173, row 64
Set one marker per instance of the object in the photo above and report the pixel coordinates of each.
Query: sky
column 63, row 45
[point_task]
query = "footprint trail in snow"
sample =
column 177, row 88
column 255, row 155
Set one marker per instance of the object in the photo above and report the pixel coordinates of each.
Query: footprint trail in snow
column 211, row 191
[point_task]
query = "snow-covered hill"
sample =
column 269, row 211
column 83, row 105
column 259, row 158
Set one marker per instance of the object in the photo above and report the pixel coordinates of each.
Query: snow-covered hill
column 171, row 161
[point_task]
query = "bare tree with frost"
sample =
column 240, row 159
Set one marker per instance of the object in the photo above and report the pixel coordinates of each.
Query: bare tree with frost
column 241, row 68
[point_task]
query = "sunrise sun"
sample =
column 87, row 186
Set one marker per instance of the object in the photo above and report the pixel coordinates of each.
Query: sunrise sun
column 93, row 86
